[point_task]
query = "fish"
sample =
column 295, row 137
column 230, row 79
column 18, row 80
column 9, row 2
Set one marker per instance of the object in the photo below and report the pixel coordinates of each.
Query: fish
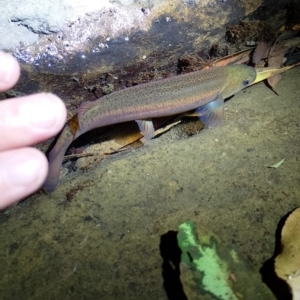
column 203, row 91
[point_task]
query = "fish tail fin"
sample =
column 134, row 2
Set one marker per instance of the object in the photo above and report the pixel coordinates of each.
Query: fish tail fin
column 57, row 153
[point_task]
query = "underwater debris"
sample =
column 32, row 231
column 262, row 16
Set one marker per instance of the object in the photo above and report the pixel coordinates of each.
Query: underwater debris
column 107, row 88
column 249, row 33
column 217, row 51
column 74, row 190
column 190, row 63
column 293, row 26
column 273, row 55
column 75, row 79
column 13, row 93
column 259, row 52
column 277, row 165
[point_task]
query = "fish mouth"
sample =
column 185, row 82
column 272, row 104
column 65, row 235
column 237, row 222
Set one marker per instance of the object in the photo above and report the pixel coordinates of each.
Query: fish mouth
column 264, row 73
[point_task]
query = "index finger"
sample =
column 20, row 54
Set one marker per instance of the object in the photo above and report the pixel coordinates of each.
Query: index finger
column 9, row 71
column 31, row 119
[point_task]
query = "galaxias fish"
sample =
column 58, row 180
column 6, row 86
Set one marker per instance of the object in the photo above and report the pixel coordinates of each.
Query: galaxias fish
column 203, row 91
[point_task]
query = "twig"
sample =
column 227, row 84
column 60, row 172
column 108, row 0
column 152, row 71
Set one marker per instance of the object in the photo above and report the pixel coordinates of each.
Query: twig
column 78, row 155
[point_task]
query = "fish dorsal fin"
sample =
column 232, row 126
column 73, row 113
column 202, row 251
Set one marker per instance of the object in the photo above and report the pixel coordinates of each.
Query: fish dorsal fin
column 211, row 113
column 146, row 127
column 84, row 107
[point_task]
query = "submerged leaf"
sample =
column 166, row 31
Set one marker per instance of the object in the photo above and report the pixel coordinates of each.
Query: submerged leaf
column 272, row 81
column 287, row 263
column 260, row 52
column 277, row 165
column 210, row 269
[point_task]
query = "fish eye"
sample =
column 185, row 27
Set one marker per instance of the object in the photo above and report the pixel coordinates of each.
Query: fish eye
column 246, row 82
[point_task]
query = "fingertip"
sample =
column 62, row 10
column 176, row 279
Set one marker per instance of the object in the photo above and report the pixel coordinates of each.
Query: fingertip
column 55, row 108
column 9, row 71
column 45, row 112
column 22, row 172
column 30, row 119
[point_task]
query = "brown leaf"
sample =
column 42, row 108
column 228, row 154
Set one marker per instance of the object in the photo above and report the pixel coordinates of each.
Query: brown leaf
column 287, row 263
column 272, row 81
column 280, row 47
column 236, row 58
column 261, row 51
column 276, row 62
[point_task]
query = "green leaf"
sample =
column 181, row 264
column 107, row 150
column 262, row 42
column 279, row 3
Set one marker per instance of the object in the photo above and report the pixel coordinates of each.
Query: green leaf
column 210, row 269
column 277, row 165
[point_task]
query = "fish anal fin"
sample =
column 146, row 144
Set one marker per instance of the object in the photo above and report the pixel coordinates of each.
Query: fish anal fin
column 146, row 127
column 211, row 114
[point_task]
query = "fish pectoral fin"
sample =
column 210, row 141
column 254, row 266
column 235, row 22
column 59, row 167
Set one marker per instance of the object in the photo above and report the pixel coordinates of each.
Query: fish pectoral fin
column 211, row 113
column 146, row 127
column 84, row 107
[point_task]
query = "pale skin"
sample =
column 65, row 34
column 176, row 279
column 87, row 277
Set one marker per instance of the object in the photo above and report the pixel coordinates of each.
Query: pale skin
column 24, row 121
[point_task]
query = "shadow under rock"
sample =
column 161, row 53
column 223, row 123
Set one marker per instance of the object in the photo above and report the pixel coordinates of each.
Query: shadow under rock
column 170, row 253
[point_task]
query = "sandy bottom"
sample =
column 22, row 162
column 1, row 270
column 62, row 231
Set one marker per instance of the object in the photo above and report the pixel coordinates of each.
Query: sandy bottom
column 114, row 239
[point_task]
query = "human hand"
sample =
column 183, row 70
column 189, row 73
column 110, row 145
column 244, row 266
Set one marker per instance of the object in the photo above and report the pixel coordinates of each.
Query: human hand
column 23, row 122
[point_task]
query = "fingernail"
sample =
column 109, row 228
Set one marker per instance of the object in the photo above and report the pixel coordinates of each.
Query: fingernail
column 22, row 170
column 6, row 67
column 44, row 110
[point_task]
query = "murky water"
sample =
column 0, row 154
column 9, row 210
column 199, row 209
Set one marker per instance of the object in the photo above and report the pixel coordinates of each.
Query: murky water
column 104, row 233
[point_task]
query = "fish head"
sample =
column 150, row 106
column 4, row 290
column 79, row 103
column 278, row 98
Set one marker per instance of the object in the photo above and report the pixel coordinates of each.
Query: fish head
column 238, row 77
